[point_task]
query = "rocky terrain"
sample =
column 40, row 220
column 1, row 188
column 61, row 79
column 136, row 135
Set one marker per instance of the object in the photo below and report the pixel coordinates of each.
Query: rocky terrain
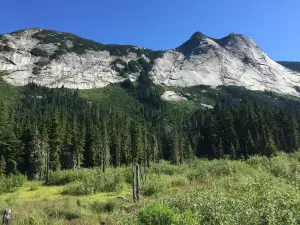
column 56, row 59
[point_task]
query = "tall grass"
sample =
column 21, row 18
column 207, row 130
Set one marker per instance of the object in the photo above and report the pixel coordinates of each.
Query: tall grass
column 87, row 181
column 258, row 191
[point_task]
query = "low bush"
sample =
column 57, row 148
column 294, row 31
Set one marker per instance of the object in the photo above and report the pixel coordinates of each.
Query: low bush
column 33, row 188
column 87, row 182
column 64, row 214
column 160, row 214
column 11, row 183
column 104, row 207
column 156, row 184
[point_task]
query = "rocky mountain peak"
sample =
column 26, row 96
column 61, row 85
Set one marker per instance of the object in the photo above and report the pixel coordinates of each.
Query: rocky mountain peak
column 54, row 59
column 198, row 35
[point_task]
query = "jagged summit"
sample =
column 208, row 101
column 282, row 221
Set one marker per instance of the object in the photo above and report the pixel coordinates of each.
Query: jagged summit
column 198, row 35
column 53, row 59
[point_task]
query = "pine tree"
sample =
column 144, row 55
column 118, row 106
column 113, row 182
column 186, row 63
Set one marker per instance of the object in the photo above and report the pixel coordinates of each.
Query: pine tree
column 188, row 153
column 270, row 148
column 136, row 143
column 54, row 143
column 90, row 146
column 126, row 144
column 220, row 151
column 2, row 166
column 174, row 148
column 36, row 157
column 154, row 149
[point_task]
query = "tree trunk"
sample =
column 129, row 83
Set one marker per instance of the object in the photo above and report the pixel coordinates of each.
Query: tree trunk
column 137, row 181
column 133, row 186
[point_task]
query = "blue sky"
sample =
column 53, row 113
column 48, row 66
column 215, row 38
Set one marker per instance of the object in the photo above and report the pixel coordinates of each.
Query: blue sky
column 163, row 24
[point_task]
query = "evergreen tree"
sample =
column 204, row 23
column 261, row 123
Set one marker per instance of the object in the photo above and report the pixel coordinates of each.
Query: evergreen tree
column 54, row 143
column 2, row 166
column 36, row 157
column 136, row 143
column 174, row 148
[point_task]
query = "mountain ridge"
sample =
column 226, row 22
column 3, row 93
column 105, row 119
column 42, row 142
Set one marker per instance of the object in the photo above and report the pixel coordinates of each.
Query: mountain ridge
column 55, row 59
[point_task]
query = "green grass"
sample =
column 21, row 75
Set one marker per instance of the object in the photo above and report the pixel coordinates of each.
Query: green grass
column 258, row 191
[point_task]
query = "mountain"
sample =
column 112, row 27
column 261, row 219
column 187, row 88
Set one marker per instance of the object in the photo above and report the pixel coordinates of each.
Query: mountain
column 291, row 65
column 56, row 59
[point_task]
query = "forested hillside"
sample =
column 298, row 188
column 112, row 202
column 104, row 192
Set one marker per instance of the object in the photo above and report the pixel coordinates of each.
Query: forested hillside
column 53, row 129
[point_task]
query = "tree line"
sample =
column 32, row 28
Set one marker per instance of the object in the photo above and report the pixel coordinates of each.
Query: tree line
column 53, row 129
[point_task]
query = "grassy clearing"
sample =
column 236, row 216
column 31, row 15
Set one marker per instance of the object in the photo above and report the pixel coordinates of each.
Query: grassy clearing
column 257, row 191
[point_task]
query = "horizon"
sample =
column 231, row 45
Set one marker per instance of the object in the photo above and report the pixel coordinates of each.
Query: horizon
column 163, row 25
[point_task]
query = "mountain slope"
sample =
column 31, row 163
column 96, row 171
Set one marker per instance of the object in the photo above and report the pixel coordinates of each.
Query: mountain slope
column 57, row 59
column 233, row 60
column 54, row 59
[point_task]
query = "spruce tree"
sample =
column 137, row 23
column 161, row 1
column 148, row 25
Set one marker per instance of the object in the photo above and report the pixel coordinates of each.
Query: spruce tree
column 54, row 143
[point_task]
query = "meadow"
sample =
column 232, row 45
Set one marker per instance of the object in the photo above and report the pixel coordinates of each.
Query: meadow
column 260, row 190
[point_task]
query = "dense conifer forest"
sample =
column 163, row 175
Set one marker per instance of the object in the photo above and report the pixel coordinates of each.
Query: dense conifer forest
column 44, row 129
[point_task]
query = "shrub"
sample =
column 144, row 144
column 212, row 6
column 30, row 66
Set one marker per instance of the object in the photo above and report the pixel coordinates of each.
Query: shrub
column 85, row 181
column 64, row 213
column 155, row 184
column 78, row 188
column 104, row 207
column 11, row 183
column 164, row 167
column 160, row 214
column 33, row 188
column 179, row 180
column 156, row 214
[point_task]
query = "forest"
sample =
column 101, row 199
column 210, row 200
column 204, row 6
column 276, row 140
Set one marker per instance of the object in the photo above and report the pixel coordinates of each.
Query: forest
column 46, row 129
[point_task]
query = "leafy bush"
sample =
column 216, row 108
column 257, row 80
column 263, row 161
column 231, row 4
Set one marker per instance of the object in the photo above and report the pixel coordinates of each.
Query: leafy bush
column 156, row 214
column 78, row 188
column 156, row 184
column 179, row 180
column 11, row 183
column 85, row 181
column 159, row 214
column 164, row 167
column 64, row 177
column 33, row 188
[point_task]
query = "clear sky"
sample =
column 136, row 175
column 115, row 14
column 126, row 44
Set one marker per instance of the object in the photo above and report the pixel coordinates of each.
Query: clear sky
column 163, row 24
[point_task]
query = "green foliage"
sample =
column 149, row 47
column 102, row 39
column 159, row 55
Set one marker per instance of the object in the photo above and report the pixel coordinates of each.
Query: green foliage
column 11, row 183
column 159, row 214
column 104, row 207
column 156, row 184
column 39, row 52
column 64, row 213
column 156, row 214
column 81, row 45
column 33, row 188
column 85, row 181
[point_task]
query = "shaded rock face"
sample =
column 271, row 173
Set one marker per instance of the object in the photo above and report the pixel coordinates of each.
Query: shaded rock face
column 54, row 59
